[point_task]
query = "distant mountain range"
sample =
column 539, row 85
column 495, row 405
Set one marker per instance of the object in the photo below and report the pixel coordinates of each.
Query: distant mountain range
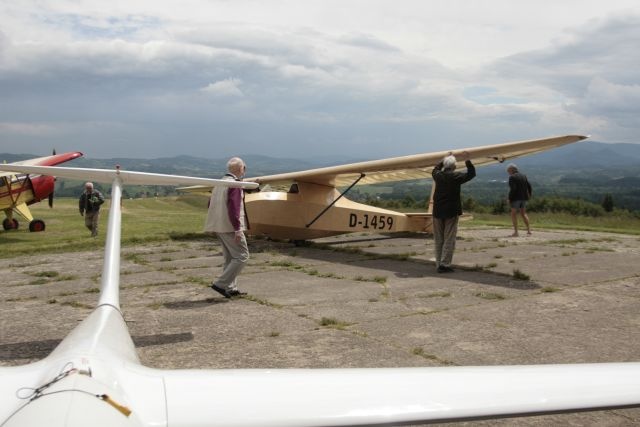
column 587, row 154
column 583, row 155
column 586, row 169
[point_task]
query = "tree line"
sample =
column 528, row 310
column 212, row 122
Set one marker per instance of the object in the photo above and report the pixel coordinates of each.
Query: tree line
column 544, row 204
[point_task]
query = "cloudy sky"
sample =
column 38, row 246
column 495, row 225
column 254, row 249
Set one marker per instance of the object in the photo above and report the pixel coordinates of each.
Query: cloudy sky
column 301, row 78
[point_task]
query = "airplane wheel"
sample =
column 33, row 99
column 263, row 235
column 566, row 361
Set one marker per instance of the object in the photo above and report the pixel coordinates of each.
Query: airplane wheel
column 10, row 224
column 36, row 225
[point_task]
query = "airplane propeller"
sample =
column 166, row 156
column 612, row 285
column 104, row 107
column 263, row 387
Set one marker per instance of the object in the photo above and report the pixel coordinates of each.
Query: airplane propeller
column 51, row 194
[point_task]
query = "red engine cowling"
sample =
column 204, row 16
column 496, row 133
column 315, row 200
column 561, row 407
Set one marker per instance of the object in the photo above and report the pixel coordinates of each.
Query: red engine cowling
column 42, row 187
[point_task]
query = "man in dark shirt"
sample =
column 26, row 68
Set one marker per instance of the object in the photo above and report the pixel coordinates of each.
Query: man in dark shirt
column 447, row 207
column 89, row 205
column 519, row 193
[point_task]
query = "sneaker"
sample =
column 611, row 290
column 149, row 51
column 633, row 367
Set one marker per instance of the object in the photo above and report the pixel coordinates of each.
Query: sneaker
column 445, row 269
column 221, row 291
column 236, row 293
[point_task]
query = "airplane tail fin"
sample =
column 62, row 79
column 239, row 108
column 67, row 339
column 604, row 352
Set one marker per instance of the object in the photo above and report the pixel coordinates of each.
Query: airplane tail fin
column 421, row 221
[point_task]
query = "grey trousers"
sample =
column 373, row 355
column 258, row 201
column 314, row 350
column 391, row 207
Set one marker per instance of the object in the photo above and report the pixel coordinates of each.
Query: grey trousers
column 236, row 256
column 91, row 221
column 444, row 235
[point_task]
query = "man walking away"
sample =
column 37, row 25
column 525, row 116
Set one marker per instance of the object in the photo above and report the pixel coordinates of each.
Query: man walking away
column 447, row 207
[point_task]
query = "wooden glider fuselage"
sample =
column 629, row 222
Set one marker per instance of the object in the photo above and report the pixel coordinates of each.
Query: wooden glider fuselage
column 291, row 215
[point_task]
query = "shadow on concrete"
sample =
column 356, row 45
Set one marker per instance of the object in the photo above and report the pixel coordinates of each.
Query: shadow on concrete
column 398, row 265
column 187, row 305
column 41, row 349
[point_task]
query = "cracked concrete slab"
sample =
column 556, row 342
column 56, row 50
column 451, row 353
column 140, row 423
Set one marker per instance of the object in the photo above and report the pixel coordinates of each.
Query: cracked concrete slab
column 351, row 301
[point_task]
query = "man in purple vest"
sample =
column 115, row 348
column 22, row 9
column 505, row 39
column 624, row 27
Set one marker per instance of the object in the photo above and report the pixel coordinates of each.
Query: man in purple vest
column 226, row 218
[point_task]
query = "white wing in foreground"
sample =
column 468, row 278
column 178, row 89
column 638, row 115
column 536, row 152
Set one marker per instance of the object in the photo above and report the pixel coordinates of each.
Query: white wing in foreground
column 344, row 397
column 126, row 177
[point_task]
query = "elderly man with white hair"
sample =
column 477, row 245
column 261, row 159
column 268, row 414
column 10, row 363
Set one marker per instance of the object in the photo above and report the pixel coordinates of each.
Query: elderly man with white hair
column 226, row 218
column 89, row 205
column 447, row 207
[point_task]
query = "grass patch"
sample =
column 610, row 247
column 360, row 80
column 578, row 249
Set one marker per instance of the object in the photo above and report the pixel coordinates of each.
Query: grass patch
column 198, row 280
column 549, row 289
column 330, row 276
column 519, row 275
column 38, row 282
column 330, row 322
column 18, row 299
column 261, row 301
column 490, row 295
column 376, row 279
column 135, row 258
column 155, row 305
column 418, row 351
column 66, row 294
column 49, row 274
column 592, row 249
column 442, row 294
column 285, row 264
column 77, row 304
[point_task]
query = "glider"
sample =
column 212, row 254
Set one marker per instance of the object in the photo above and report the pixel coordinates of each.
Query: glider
column 19, row 191
column 94, row 376
column 312, row 207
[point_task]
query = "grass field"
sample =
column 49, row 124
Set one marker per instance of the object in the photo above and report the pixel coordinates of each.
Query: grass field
column 148, row 220
column 563, row 221
column 143, row 220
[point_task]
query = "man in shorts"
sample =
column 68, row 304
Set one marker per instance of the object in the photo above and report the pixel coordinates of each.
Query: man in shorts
column 519, row 193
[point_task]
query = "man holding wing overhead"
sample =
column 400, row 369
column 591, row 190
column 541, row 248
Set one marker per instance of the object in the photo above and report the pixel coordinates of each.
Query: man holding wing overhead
column 447, row 207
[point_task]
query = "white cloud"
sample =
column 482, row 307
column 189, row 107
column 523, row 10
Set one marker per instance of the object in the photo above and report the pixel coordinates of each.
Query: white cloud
column 227, row 87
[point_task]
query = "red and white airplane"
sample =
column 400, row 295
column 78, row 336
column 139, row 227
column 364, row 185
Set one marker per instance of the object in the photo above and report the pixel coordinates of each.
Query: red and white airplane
column 19, row 191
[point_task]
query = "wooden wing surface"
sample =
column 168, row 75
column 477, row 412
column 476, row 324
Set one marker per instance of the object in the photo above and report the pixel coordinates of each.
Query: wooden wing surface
column 416, row 166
